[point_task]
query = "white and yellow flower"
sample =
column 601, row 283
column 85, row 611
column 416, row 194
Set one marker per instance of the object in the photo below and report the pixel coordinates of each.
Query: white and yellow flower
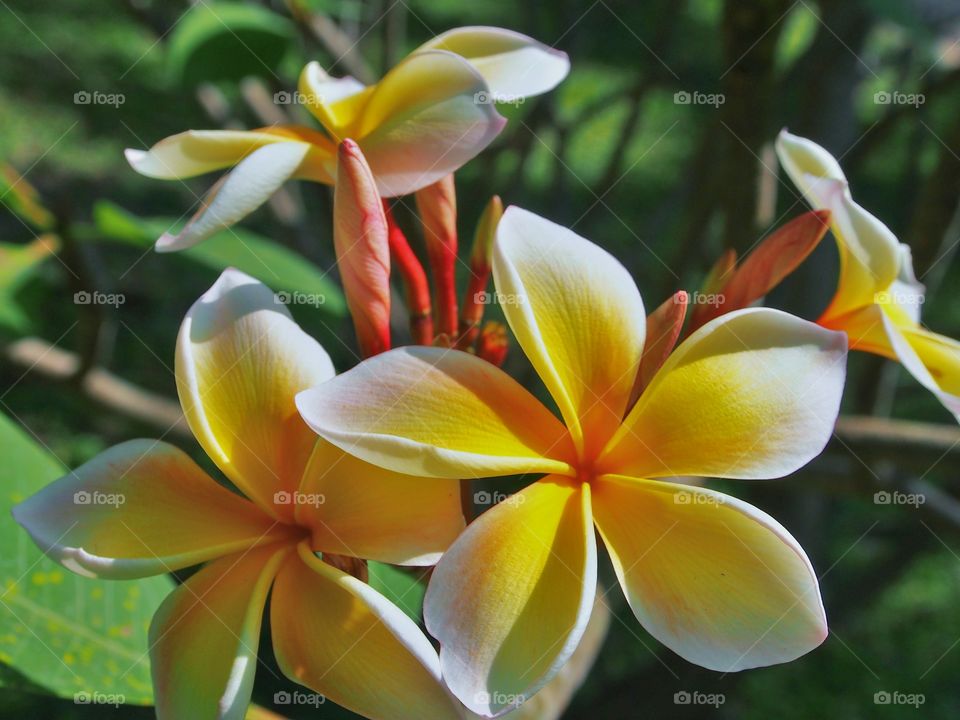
column 752, row 394
column 878, row 299
column 428, row 116
column 146, row 508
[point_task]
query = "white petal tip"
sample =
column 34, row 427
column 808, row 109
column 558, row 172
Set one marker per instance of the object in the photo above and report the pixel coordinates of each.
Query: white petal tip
column 135, row 157
column 229, row 279
column 168, row 242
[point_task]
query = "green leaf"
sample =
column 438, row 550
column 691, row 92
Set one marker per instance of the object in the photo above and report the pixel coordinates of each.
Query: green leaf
column 65, row 633
column 18, row 264
column 23, row 200
column 404, row 587
column 226, row 42
column 269, row 262
column 799, row 31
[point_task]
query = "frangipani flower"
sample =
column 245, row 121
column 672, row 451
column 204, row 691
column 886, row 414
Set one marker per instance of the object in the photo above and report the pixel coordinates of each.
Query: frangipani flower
column 753, row 394
column 428, row 116
column 240, row 361
column 878, row 298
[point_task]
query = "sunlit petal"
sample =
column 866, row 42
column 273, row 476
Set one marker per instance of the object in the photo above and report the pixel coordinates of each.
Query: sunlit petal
column 551, row 702
column 514, row 65
column 423, row 121
column 716, row 580
column 751, row 394
column 510, row 600
column 888, row 329
column 204, row 637
column 196, row 152
column 241, row 359
column 578, row 316
column 437, row 413
column 869, row 252
column 334, row 101
column 932, row 359
column 340, row 637
column 361, row 510
column 239, row 193
column 141, row 508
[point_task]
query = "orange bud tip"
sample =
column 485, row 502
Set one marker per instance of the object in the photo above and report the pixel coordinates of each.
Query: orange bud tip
column 492, row 345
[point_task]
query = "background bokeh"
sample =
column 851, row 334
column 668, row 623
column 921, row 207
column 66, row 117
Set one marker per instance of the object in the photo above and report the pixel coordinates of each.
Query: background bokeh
column 658, row 147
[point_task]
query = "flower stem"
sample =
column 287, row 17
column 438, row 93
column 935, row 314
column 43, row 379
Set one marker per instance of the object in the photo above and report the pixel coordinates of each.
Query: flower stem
column 414, row 280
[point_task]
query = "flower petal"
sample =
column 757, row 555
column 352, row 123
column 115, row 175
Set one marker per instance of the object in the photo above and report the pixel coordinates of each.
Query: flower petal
column 141, row 508
column 437, row 413
column 578, row 316
column 205, row 635
column 335, row 102
column 514, row 65
column 551, row 702
column 255, row 178
column 361, row 510
column 888, row 330
column 932, row 359
column 423, row 121
column 869, row 252
column 340, row 637
column 718, row 581
column 510, row 600
column 196, row 152
column 241, row 359
column 751, row 394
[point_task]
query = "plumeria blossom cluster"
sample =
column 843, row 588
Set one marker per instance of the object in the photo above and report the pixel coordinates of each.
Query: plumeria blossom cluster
column 332, row 471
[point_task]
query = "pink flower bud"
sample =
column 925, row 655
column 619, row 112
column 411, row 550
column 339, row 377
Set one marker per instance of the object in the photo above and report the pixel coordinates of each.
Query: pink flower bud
column 360, row 237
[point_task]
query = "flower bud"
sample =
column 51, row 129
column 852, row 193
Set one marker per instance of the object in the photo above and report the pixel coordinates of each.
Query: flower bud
column 360, row 237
